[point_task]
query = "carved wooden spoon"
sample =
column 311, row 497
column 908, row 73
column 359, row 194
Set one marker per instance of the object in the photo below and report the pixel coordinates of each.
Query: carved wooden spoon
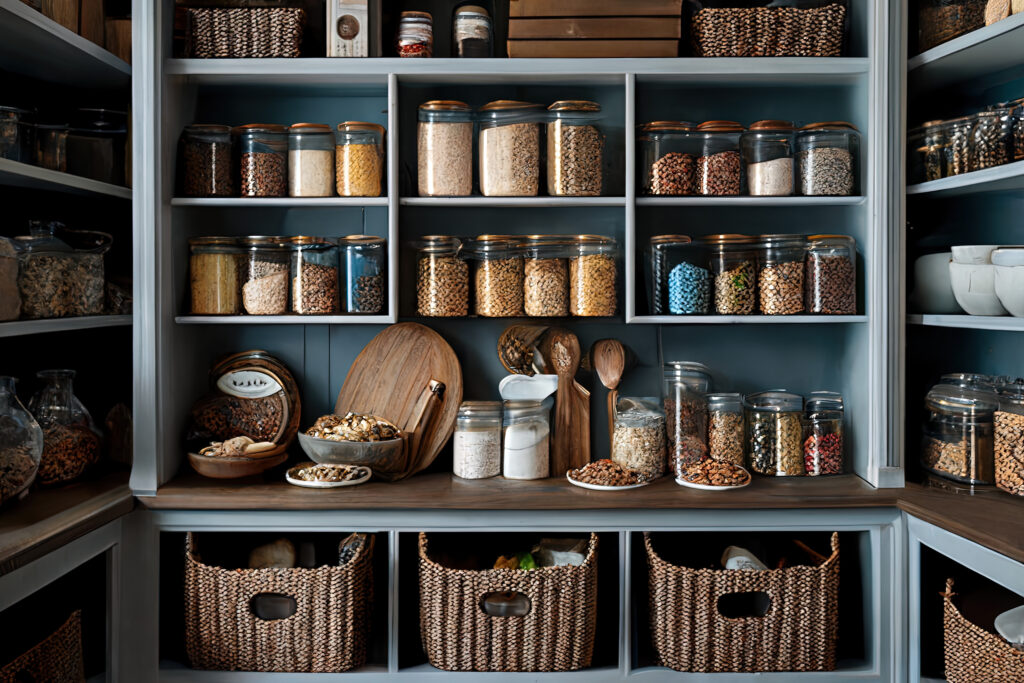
column 572, row 407
column 610, row 362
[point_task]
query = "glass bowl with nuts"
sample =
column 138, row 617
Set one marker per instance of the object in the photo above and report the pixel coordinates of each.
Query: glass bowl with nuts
column 354, row 439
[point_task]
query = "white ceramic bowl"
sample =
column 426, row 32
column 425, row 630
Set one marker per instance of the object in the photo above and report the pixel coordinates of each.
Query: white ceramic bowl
column 1009, row 287
column 933, row 292
column 1008, row 256
column 974, row 288
column 974, row 254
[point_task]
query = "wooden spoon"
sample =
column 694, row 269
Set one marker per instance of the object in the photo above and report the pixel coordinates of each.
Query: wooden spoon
column 610, row 362
column 572, row 407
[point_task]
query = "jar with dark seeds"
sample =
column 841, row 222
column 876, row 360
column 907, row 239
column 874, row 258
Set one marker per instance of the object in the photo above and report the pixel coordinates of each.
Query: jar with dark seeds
column 992, row 139
column 719, row 171
column 363, row 259
column 774, row 433
column 263, row 160
column 668, row 151
column 206, row 169
column 831, row 280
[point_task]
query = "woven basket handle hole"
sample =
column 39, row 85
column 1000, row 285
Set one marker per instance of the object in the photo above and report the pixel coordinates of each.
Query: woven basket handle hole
column 272, row 606
column 747, row 605
column 506, row 604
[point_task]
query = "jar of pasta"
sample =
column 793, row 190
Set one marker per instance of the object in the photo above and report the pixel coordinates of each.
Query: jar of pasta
column 359, row 159
column 214, row 277
column 442, row 278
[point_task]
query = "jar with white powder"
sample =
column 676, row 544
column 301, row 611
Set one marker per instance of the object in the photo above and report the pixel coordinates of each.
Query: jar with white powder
column 526, row 432
column 444, row 149
column 477, row 440
column 767, row 149
column 310, row 160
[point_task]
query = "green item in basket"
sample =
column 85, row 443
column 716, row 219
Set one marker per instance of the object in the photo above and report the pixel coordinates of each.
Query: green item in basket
column 526, row 561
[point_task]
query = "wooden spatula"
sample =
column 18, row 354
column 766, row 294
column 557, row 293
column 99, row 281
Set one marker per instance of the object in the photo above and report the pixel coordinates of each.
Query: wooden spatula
column 572, row 407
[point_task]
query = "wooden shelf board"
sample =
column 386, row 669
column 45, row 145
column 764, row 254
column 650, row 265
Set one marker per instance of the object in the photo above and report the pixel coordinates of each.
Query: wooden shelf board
column 289, row 202
column 18, row 174
column 1005, row 178
column 509, row 202
column 979, row 59
column 283, row 320
column 758, row 202
column 746, row 319
column 17, row 328
column 969, row 322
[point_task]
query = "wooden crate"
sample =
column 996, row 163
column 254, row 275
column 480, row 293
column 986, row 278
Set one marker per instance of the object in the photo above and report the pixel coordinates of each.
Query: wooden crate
column 118, row 38
column 64, row 12
column 595, row 8
column 645, row 28
column 593, row 48
column 90, row 20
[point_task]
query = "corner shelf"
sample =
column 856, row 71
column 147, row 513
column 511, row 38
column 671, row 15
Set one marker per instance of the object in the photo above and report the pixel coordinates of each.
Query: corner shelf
column 979, row 59
column 1008, row 177
column 745, row 319
column 19, row 328
column 969, row 322
column 19, row 174
column 276, row 202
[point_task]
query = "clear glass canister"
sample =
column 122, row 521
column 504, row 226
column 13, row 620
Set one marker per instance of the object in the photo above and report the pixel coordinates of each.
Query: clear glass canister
column 725, row 428
column 638, row 436
column 21, row 444
column 593, row 276
column 958, row 434
column 992, row 139
column 476, row 443
column 415, row 36
column 442, row 278
column 314, row 276
column 575, row 149
column 444, row 149
column 214, row 275
column 767, row 151
column 545, row 276
column 942, row 20
column 263, row 160
column 831, row 275
column 826, row 158
column 780, row 279
column 927, row 152
column 1009, row 438
column 472, row 33
column 207, row 155
column 668, row 158
column 969, row 380
column 823, row 433
column 687, row 280
column 363, row 259
column 509, row 148
column 719, row 172
column 52, row 146
column 16, row 131
column 958, row 144
column 733, row 261
column 264, row 274
column 61, row 272
column 1018, row 128
column 70, row 441
column 525, row 433
column 96, row 145
column 359, row 159
column 774, row 432
column 684, row 389
column 498, row 276
column 310, row 160
column 658, row 269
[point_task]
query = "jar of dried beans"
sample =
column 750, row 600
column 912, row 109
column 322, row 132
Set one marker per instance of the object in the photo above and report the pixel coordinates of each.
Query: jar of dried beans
column 263, row 160
column 718, row 166
column 476, row 443
column 957, row 443
column 444, row 149
column 774, row 432
column 310, row 160
column 831, row 275
column 992, row 139
column 497, row 275
column 1009, row 438
column 363, row 265
column 71, row 443
column 823, row 433
column 780, row 279
column 593, row 276
column 545, row 276
column 442, row 278
column 684, row 281
column 314, row 276
column 826, row 159
column 638, row 436
column 725, row 428
column 206, row 169
column 214, row 269
column 264, row 275
column 733, row 261
column 767, row 150
column 575, row 149
column 958, row 144
column 684, row 389
column 509, row 148
column 359, row 159
column 415, row 36
column 668, row 153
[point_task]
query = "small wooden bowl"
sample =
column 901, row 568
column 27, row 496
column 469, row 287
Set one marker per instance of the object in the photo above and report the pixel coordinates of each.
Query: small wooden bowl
column 222, row 467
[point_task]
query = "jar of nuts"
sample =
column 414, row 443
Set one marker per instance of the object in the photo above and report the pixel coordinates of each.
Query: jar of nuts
column 358, row 159
column 1009, row 438
column 206, row 156
column 509, row 149
column 497, row 276
column 685, row 384
column 593, row 276
column 957, row 443
column 831, row 275
column 442, row 278
column 263, row 166
column 214, row 273
column 958, row 144
column 310, row 160
column 444, row 149
column 718, row 166
column 545, row 276
column 725, row 428
column 826, row 159
column 71, row 443
column 775, row 432
column 733, row 261
column 638, row 436
column 575, row 149
column 767, row 150
column 684, row 281
column 992, row 141
column 668, row 158
column 264, row 275
column 314, row 276
column 823, row 433
column 780, row 278
column 363, row 259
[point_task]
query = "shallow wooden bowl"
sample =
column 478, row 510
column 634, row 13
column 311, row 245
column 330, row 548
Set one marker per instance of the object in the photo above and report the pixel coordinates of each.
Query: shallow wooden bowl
column 221, row 467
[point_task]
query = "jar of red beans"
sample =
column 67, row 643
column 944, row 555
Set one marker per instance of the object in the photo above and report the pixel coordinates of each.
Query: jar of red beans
column 823, row 433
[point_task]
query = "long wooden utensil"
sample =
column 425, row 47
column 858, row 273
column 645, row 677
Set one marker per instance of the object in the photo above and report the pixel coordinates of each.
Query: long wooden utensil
column 610, row 362
column 572, row 407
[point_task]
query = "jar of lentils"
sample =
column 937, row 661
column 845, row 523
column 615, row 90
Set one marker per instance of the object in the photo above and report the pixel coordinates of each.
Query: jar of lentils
column 310, row 160
column 509, row 148
column 442, row 278
column 774, row 432
column 733, row 261
column 265, row 275
column 958, row 144
column 363, row 264
column 668, row 153
column 207, row 154
column 497, row 275
column 780, row 280
column 718, row 166
column 415, row 36
column 686, row 283
column 767, row 150
column 823, row 433
column 444, row 149
column 992, row 139
column 831, row 275
column 575, row 149
column 314, row 276
column 546, row 276
column 214, row 270
column 686, row 412
column 725, row 428
column 476, row 443
column 593, row 276
column 263, row 166
column 359, row 159
column 826, row 159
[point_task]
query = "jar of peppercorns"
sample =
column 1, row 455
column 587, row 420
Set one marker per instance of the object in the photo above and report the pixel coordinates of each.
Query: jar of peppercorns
column 684, row 391
column 668, row 153
column 823, row 433
column 775, row 432
column 831, row 275
column 733, row 265
column 719, row 172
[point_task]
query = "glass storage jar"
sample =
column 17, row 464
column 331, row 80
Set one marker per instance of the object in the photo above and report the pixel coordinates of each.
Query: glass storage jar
column 214, row 271
column 263, row 160
column 472, row 33
column 958, row 434
column 718, row 166
column 733, row 261
column 264, row 274
column 941, row 20
column 476, row 443
column 725, row 428
column 658, row 268
column 415, row 36
column 1018, row 128
column 497, row 275
column 96, row 145
column 969, row 380
column 442, row 278
column 509, row 148
column 444, row 149
column 687, row 281
column 363, row 259
column 767, row 151
column 780, row 280
column 70, row 441
column 823, row 433
column 61, row 272
column 206, row 168
column 16, row 134
column 992, row 139
column 359, row 159
column 52, row 146
column 826, row 158
column 959, row 141
column 668, row 153
column 684, row 388
column 831, row 275
column 927, row 146
column 575, row 149
column 638, row 436
column 310, row 160
column 21, row 444
column 314, row 262
column 1009, row 438
column 525, row 434
column 545, row 276
column 774, row 432
column 593, row 276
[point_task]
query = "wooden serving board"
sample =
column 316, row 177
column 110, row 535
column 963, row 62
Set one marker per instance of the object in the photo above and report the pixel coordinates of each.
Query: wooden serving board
column 389, row 376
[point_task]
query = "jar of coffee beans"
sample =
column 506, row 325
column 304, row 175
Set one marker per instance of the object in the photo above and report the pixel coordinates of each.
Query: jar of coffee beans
column 497, row 276
column 823, row 433
column 957, row 441
column 310, row 160
column 725, row 428
column 733, row 264
column 206, row 154
column 719, row 171
column 780, row 279
column 826, row 159
column 668, row 158
column 545, row 276
column 359, row 159
column 314, row 276
column 442, row 278
column 265, row 275
column 683, row 286
column 767, row 150
column 831, row 276
column 593, row 276
column 363, row 266
column 958, row 144
column 214, row 269
column 509, row 149
column 992, row 139
column 1009, row 437
column 774, row 432
column 685, row 384
column 444, row 149
column 263, row 167
column 575, row 149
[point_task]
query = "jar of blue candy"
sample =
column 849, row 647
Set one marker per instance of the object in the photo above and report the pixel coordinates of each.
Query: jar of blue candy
column 681, row 281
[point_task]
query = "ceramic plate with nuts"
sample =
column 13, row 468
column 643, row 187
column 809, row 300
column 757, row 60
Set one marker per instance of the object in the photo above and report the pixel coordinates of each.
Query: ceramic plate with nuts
column 709, row 475
column 313, row 476
column 606, row 475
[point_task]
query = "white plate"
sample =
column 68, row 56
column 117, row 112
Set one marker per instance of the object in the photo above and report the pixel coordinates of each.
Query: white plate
column 324, row 484
column 602, row 487
column 708, row 487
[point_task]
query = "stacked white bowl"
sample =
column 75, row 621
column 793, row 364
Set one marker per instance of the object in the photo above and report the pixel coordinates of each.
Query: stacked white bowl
column 1009, row 266
column 973, row 277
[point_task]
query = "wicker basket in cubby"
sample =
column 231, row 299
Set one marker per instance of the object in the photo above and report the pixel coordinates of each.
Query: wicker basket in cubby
column 769, row 31
column 243, row 32
column 973, row 655
column 58, row 657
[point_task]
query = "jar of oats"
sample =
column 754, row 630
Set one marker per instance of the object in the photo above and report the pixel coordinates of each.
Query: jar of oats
column 509, row 148
column 497, row 276
column 444, row 149
column 358, row 159
column 546, row 276
column 575, row 149
column 265, row 275
column 442, row 277
column 310, row 160
column 593, row 276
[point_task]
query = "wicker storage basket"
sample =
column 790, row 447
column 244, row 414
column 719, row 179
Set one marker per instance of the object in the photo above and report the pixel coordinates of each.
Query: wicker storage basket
column 797, row 633
column 557, row 634
column 973, row 655
column 243, row 32
column 57, row 659
column 769, row 31
column 327, row 632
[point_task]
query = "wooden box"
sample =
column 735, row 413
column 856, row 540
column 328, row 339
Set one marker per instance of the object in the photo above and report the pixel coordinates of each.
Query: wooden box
column 64, row 12
column 90, row 20
column 593, row 48
column 644, row 28
column 118, row 38
column 595, row 8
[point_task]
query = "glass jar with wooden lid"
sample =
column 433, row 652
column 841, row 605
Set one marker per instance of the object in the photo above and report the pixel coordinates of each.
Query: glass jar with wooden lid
column 314, row 276
column 719, row 171
column 214, row 275
column 826, row 159
column 575, row 149
column 310, row 160
column 442, row 277
column 444, row 149
column 263, row 160
column 767, row 151
column 733, row 263
column 509, row 148
column 359, row 159
column 593, row 276
column 668, row 153
column 545, row 275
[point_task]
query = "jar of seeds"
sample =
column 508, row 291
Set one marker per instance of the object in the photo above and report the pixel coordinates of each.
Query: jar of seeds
column 444, row 149
column 593, row 276
column 509, row 149
column 826, row 159
column 498, row 276
column 575, row 145
column 684, row 387
column 668, row 153
column 363, row 259
column 265, row 275
column 684, row 279
column 638, row 436
column 733, row 261
column 214, row 274
column 831, row 275
column 442, row 278
column 823, row 434
column 1009, row 438
column 476, row 443
column 774, row 432
column 992, row 139
column 780, row 279
column 358, row 159
column 310, row 160
column 957, row 442
column 206, row 170
column 767, row 150
column 545, row 276
column 314, row 276
column 725, row 428
column 958, row 144
column 263, row 166
column 718, row 166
